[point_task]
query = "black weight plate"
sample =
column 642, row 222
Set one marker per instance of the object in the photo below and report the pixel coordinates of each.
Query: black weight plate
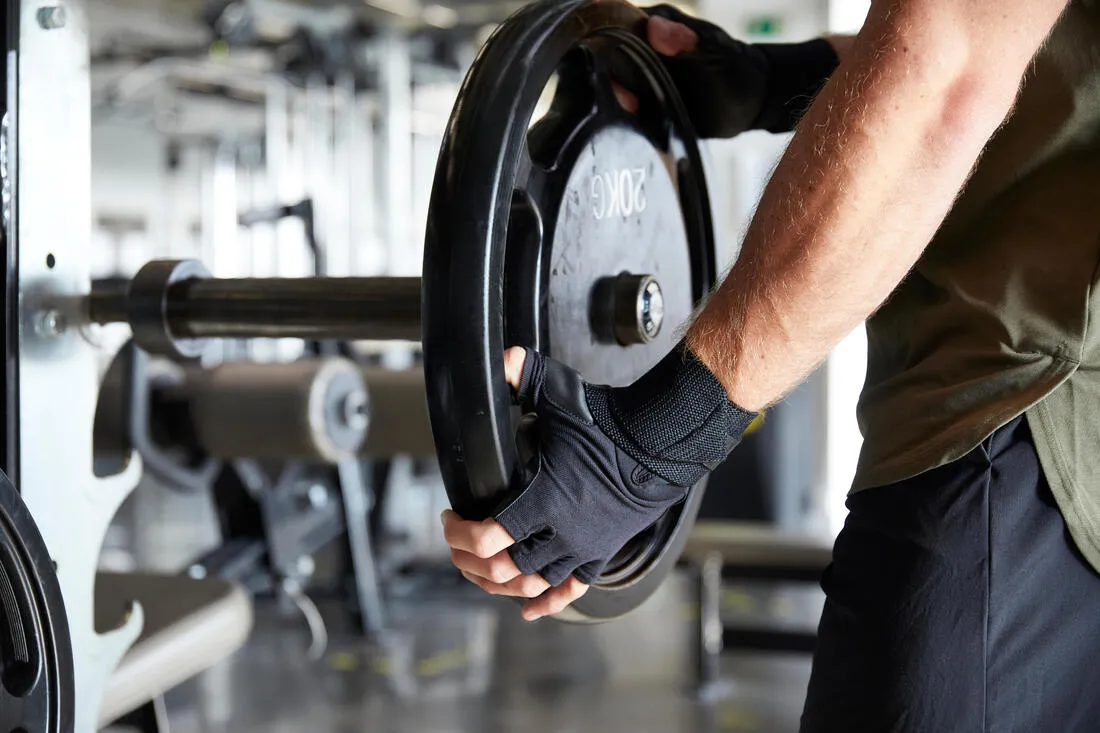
column 528, row 222
column 36, row 663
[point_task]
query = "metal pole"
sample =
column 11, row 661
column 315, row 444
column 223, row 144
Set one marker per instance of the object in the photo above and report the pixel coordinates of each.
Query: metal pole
column 277, row 151
column 368, row 250
column 318, row 171
column 339, row 233
column 381, row 308
column 708, row 644
column 395, row 92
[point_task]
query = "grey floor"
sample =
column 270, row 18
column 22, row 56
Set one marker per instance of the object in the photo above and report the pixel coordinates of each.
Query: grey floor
column 455, row 663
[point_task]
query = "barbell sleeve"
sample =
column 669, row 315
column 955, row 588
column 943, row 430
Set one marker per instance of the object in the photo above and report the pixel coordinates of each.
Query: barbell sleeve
column 310, row 308
column 165, row 297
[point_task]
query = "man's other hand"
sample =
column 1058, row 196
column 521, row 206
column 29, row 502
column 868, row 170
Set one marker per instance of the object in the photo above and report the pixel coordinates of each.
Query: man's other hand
column 667, row 38
column 480, row 549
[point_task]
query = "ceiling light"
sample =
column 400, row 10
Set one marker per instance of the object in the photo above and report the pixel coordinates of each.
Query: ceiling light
column 401, row 8
column 440, row 16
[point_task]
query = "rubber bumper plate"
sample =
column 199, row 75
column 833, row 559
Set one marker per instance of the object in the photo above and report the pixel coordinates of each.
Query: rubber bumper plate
column 36, row 662
column 561, row 221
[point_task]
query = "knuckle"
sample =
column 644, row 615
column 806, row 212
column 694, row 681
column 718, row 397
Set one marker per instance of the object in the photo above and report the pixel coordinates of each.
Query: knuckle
column 498, row 572
column 478, row 545
column 460, row 560
column 532, row 586
column 482, row 546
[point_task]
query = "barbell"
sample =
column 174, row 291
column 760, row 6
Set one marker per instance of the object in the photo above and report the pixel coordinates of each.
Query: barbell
column 585, row 233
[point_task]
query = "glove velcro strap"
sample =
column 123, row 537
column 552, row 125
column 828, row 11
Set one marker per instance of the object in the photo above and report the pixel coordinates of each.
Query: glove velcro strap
column 676, row 420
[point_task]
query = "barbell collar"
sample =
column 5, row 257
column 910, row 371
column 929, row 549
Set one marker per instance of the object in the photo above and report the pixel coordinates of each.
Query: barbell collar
column 148, row 303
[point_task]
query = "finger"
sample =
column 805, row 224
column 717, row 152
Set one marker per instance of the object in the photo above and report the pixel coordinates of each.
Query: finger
column 626, row 98
column 500, row 568
column 525, row 586
column 669, row 38
column 513, row 365
column 554, row 600
column 483, row 539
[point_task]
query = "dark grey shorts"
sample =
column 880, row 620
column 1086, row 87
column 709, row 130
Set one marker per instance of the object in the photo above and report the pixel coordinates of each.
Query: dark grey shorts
column 957, row 601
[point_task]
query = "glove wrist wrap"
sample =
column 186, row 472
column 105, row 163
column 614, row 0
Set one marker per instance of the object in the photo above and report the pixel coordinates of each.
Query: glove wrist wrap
column 796, row 73
column 676, row 420
column 611, row 461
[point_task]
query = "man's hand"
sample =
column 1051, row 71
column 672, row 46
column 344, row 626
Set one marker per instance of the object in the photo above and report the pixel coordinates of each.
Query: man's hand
column 668, row 39
column 480, row 549
column 609, row 463
column 727, row 86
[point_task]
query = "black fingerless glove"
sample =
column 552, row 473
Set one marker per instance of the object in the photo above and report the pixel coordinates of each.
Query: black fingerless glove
column 611, row 461
column 729, row 87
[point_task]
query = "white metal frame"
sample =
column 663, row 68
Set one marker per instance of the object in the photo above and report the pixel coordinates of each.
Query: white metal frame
column 58, row 382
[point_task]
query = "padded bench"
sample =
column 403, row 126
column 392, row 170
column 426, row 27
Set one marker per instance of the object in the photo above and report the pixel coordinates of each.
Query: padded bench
column 719, row 550
column 753, row 550
column 190, row 625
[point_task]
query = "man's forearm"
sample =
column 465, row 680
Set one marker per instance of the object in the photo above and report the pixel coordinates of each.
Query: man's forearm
column 868, row 177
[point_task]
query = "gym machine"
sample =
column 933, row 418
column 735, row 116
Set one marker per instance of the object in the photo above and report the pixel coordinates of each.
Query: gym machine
column 282, row 449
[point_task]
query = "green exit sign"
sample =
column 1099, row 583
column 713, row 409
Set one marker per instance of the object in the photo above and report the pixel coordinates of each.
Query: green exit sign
column 764, row 25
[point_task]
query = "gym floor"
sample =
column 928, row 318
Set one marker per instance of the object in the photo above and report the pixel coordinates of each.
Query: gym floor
column 457, row 661
column 631, row 676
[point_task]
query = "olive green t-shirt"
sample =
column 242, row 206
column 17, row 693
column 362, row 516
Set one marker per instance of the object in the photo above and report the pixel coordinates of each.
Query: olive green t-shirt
column 1001, row 315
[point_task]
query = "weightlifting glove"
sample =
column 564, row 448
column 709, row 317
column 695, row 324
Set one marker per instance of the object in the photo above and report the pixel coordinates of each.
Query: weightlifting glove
column 729, row 87
column 611, row 461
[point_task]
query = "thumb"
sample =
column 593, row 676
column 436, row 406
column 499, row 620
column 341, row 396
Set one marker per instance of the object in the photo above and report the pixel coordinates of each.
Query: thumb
column 514, row 359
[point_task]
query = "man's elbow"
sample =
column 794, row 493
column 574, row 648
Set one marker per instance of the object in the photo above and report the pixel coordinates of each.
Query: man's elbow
column 976, row 103
column 970, row 94
column 968, row 58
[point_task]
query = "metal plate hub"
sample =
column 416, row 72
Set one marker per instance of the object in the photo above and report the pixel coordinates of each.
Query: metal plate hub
column 620, row 215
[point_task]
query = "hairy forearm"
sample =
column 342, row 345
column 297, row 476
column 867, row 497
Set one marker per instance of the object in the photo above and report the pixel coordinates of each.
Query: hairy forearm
column 867, row 178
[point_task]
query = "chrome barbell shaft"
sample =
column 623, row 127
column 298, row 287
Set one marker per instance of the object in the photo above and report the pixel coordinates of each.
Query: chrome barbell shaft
column 319, row 308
